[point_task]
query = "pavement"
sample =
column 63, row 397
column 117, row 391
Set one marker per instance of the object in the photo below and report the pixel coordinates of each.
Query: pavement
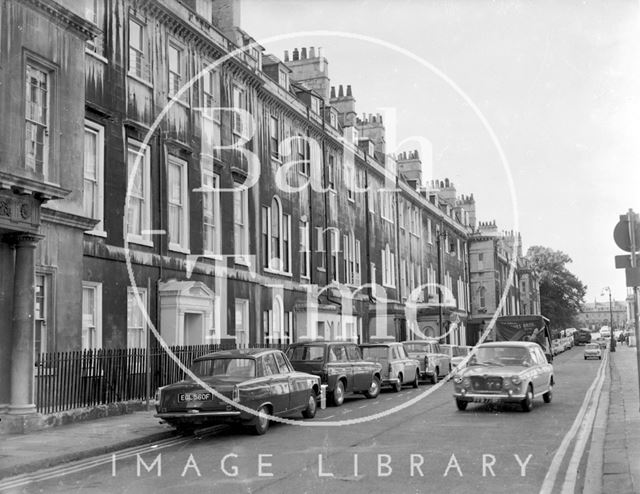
column 613, row 463
column 621, row 459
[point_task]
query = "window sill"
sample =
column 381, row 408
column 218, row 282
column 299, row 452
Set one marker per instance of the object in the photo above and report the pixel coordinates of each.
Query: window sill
column 288, row 274
column 212, row 256
column 139, row 241
column 179, row 248
column 96, row 233
column 140, row 80
column 179, row 101
column 96, row 56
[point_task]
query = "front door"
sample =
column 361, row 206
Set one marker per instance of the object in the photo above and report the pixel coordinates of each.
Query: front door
column 193, row 329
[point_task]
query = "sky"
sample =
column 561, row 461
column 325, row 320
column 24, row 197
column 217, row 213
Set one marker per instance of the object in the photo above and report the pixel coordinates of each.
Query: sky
column 533, row 107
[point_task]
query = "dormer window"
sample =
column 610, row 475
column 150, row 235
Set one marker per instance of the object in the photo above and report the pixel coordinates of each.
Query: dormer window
column 283, row 78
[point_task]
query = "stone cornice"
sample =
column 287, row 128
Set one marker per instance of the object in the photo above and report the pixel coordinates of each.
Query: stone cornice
column 24, row 185
column 68, row 219
column 65, row 17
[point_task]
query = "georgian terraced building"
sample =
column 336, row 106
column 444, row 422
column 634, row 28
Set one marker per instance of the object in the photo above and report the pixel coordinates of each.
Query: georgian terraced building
column 169, row 173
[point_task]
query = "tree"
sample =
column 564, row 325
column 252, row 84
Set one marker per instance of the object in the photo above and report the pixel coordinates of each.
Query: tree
column 561, row 292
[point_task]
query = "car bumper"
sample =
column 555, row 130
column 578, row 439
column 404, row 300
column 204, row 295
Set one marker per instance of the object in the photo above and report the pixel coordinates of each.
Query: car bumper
column 489, row 397
column 594, row 355
column 198, row 414
column 390, row 381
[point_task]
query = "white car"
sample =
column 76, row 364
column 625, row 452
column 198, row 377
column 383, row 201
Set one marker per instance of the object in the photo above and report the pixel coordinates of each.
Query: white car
column 605, row 332
column 592, row 350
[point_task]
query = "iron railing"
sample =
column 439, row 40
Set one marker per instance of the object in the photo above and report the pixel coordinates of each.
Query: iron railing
column 77, row 379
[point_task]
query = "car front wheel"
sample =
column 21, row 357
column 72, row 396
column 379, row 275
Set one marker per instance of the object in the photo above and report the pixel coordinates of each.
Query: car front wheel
column 416, row 380
column 436, row 374
column 338, row 394
column 374, row 389
column 462, row 405
column 527, row 403
column 312, row 406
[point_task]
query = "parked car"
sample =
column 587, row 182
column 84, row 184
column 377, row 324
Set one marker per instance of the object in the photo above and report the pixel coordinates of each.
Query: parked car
column 433, row 362
column 505, row 371
column 460, row 352
column 605, row 332
column 592, row 350
column 397, row 367
column 262, row 380
column 456, row 353
column 339, row 365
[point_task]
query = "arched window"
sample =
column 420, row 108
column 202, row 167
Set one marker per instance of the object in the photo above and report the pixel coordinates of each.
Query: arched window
column 483, row 297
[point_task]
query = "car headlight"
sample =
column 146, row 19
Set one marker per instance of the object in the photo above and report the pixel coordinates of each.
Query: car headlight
column 516, row 379
column 457, row 379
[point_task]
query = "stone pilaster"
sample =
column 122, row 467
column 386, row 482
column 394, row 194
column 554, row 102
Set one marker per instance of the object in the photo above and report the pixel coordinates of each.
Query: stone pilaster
column 6, row 325
column 22, row 350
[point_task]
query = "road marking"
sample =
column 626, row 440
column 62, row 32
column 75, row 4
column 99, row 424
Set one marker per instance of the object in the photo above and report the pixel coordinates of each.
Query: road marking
column 556, row 462
column 329, row 417
column 78, row 466
column 346, row 411
column 363, row 406
column 569, row 485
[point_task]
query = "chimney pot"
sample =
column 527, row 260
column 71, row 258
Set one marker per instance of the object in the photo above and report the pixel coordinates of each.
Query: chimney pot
column 349, row 91
column 340, row 91
column 303, row 54
column 286, row 55
column 312, row 52
column 296, row 54
column 333, row 92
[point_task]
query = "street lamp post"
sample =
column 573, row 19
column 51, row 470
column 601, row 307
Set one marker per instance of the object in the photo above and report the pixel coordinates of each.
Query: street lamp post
column 612, row 342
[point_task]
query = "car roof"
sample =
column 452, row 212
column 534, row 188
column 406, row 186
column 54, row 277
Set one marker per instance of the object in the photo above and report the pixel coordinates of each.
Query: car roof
column 321, row 342
column 242, row 352
column 514, row 344
column 380, row 343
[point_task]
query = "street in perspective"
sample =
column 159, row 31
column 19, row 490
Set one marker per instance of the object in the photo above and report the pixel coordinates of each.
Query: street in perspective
column 366, row 246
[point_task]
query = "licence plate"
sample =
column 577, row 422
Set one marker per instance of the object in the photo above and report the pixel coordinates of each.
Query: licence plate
column 194, row 397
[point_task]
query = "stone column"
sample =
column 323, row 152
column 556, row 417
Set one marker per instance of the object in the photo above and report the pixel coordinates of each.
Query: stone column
column 22, row 399
column 6, row 325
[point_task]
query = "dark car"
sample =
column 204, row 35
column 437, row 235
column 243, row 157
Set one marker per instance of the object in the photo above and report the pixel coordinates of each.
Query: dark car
column 260, row 379
column 397, row 367
column 340, row 366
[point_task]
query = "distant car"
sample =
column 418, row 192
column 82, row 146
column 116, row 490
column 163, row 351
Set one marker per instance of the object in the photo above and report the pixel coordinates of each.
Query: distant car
column 262, row 380
column 397, row 367
column 592, row 350
column 339, row 365
column 505, row 372
column 433, row 362
column 605, row 332
column 582, row 337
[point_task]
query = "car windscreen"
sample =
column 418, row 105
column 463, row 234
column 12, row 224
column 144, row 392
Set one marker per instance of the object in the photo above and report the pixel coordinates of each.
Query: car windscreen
column 415, row 347
column 592, row 346
column 500, row 355
column 235, row 367
column 306, row 353
column 375, row 352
